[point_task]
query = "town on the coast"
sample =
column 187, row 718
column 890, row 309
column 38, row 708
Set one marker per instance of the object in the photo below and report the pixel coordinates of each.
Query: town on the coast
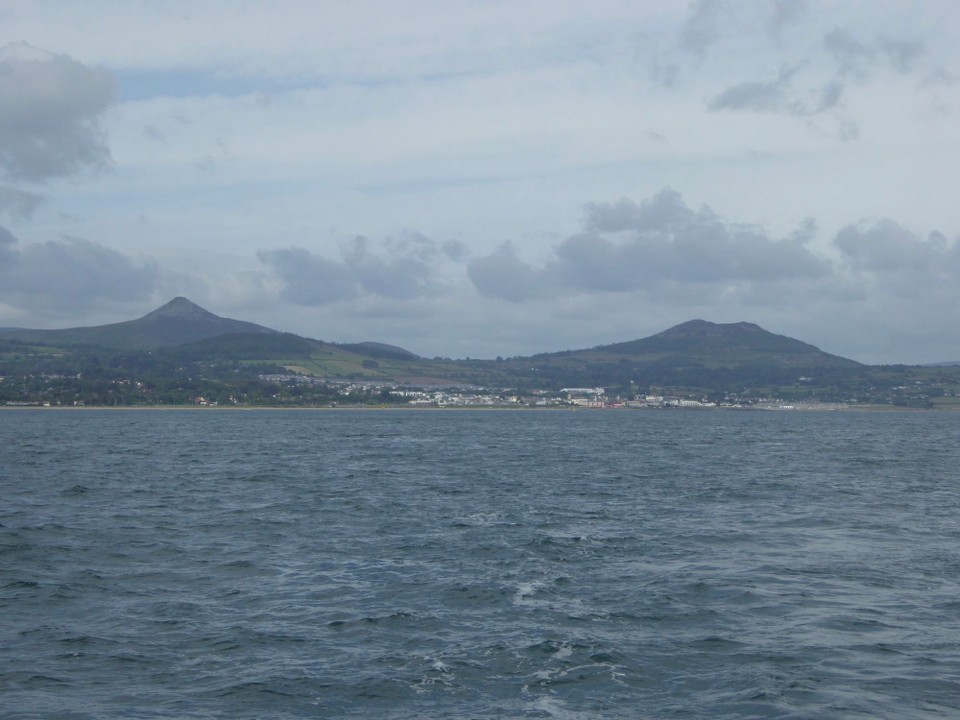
column 181, row 355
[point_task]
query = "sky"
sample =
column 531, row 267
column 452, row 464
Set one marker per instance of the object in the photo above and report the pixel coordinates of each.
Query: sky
column 481, row 179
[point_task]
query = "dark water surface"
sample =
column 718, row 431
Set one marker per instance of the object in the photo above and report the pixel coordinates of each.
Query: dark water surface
column 405, row 564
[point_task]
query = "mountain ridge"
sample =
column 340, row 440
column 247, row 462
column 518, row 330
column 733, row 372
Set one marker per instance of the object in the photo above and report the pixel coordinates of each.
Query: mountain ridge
column 236, row 362
column 699, row 342
column 722, row 343
column 177, row 322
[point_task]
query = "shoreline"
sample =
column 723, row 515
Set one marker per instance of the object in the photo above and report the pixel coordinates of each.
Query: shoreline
column 825, row 408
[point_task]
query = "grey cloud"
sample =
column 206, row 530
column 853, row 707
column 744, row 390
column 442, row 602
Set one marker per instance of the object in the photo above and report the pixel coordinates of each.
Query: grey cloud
column 652, row 247
column 403, row 271
column 400, row 278
column 775, row 96
column 755, row 96
column 309, row 279
column 8, row 253
column 902, row 54
column 414, row 245
column 700, row 28
column 503, row 275
column 664, row 73
column 50, row 117
column 940, row 77
column 154, row 134
column 848, row 131
column 403, row 279
column 907, row 279
column 591, row 262
column 704, row 250
column 830, row 96
column 454, row 250
column 417, row 246
column 757, row 257
column 667, row 58
column 887, row 247
column 854, row 57
column 806, row 232
column 662, row 68
column 849, row 53
column 18, row 203
column 70, row 274
column 785, row 13
column 664, row 209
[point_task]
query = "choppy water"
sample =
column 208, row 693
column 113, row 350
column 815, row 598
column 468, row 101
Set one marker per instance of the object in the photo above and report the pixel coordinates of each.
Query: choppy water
column 404, row 564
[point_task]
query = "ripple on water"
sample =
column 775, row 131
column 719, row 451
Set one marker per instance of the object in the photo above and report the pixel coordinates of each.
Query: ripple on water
column 483, row 565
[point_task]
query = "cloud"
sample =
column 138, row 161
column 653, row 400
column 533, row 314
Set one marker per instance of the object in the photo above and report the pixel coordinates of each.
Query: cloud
column 850, row 54
column 885, row 247
column 454, row 250
column 756, row 96
column 50, row 116
column 400, row 278
column 503, row 275
column 18, row 203
column 659, row 257
column 69, row 275
column 774, row 97
column 309, row 279
column 404, row 269
column 854, row 58
column 651, row 247
column 666, row 239
column 907, row 288
column 8, row 252
column 699, row 30
column 665, row 209
column 785, row 13
column 902, row 54
column 814, row 79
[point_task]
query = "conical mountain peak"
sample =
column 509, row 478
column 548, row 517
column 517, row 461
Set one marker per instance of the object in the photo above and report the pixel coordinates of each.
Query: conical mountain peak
column 180, row 307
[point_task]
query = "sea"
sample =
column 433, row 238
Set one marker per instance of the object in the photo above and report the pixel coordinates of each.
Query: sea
column 479, row 564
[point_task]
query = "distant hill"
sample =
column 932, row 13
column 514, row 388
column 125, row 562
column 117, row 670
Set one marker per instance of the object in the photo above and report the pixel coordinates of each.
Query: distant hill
column 721, row 345
column 181, row 352
column 695, row 353
column 380, row 350
column 176, row 323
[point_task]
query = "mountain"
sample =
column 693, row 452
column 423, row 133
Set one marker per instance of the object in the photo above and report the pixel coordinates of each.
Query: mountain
column 176, row 323
column 696, row 343
column 720, row 345
column 194, row 353
column 693, row 354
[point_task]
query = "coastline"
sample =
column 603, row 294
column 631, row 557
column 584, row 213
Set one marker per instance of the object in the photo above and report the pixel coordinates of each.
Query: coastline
column 820, row 408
